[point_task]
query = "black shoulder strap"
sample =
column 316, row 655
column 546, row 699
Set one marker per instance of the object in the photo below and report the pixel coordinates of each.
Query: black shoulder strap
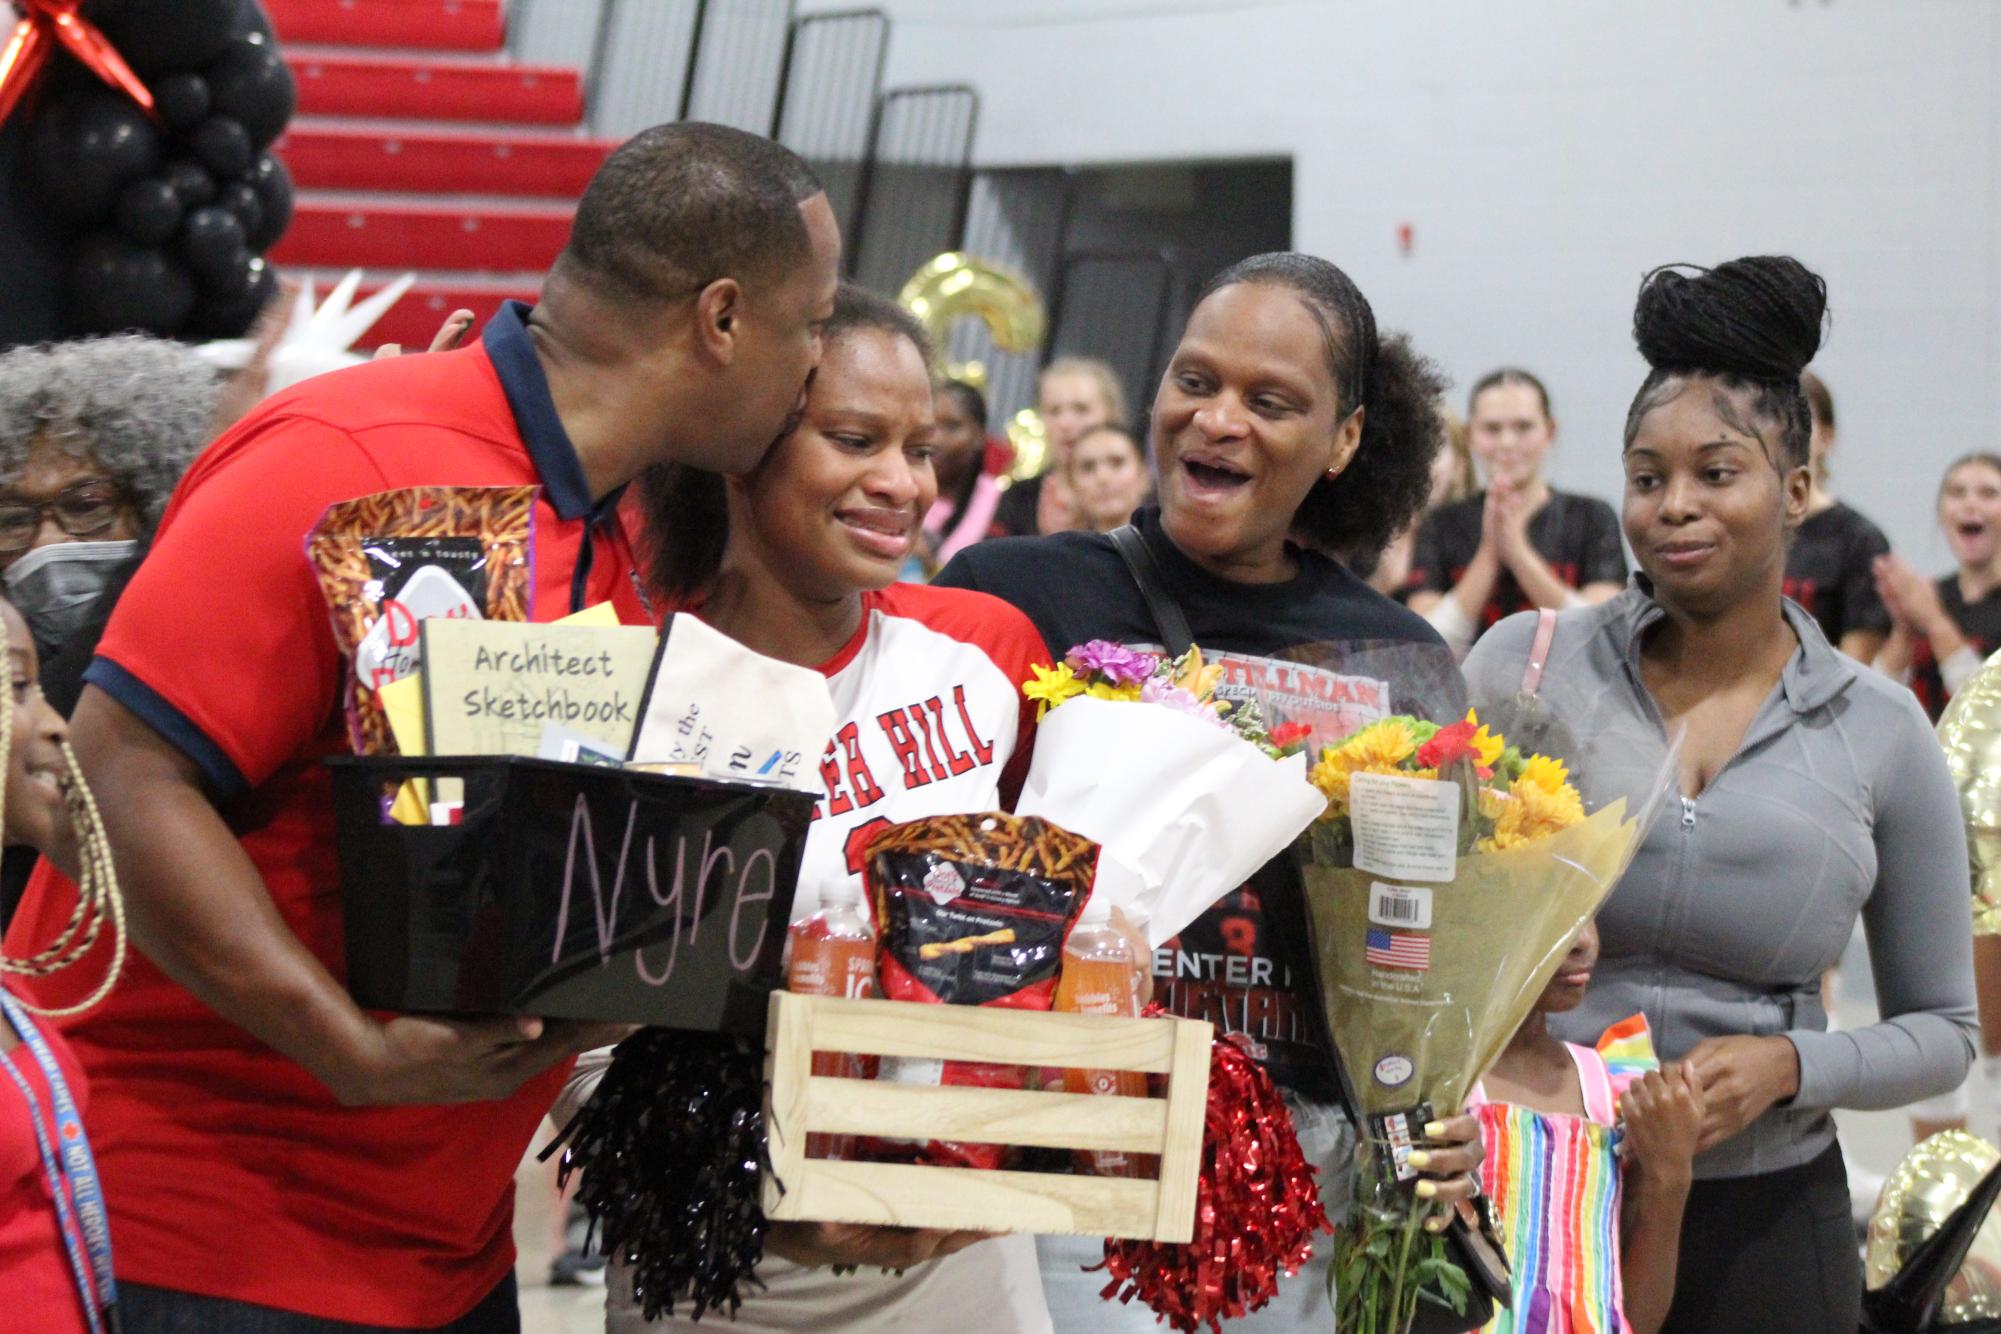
column 1168, row 618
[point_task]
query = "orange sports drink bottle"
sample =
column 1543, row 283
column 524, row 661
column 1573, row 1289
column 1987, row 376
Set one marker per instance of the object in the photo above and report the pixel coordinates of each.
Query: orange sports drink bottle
column 833, row 954
column 1102, row 975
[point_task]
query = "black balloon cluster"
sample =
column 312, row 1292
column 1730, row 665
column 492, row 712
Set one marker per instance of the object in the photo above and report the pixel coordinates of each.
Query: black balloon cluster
column 173, row 217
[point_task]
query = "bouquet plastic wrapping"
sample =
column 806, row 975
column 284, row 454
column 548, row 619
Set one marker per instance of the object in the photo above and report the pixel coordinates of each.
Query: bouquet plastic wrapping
column 1443, row 883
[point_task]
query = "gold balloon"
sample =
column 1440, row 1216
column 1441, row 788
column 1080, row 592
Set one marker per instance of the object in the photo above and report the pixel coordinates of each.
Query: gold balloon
column 1029, row 435
column 1934, row 1179
column 955, row 286
column 1971, row 735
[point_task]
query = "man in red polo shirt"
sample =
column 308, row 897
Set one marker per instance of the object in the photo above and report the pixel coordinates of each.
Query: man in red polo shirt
column 275, row 1158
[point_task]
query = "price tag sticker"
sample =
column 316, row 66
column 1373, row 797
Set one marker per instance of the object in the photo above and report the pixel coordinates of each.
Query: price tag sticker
column 1400, row 905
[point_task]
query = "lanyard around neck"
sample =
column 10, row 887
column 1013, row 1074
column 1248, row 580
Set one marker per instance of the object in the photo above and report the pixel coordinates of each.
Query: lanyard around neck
column 72, row 1177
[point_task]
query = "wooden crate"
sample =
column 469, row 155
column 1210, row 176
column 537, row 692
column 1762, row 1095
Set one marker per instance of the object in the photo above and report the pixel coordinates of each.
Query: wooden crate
column 798, row 1102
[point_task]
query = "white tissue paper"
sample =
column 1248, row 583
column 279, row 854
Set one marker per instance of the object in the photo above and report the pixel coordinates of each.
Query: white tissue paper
column 1185, row 810
column 716, row 708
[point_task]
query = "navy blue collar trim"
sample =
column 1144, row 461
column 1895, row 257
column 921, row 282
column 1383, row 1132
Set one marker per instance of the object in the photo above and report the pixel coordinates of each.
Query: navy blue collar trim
column 527, row 389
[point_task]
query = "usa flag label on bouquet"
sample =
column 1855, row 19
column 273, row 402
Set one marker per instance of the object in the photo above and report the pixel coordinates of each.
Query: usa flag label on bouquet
column 1407, row 828
column 1407, row 950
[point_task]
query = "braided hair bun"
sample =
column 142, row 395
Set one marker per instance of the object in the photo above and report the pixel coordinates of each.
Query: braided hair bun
column 1753, row 323
column 1758, row 317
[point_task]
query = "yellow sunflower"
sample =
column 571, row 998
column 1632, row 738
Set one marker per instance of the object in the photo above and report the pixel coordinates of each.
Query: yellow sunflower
column 1126, row 693
column 1051, row 686
column 1533, row 813
column 1546, row 773
column 1380, row 747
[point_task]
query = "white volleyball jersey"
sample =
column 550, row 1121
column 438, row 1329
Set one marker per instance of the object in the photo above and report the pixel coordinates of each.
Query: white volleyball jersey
column 930, row 720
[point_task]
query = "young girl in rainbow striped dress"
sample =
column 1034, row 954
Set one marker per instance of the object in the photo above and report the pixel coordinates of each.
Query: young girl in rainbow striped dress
column 1587, row 1168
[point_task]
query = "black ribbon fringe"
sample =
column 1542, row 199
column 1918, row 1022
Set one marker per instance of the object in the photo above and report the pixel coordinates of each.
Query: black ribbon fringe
column 672, row 1153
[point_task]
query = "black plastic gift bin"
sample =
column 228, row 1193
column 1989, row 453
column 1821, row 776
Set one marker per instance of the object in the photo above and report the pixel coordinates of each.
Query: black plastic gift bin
column 568, row 891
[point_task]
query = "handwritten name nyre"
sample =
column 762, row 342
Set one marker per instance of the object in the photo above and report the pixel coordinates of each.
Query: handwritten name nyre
column 492, row 687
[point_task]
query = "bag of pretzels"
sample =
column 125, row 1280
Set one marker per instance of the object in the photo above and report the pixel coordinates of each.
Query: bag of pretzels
column 973, row 910
column 390, row 561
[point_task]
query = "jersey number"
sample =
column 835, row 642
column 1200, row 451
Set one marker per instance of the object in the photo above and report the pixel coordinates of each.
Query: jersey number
column 858, row 840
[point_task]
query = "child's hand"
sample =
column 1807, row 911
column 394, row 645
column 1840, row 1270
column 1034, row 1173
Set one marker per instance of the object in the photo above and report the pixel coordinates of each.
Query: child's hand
column 1663, row 1114
column 1450, row 1161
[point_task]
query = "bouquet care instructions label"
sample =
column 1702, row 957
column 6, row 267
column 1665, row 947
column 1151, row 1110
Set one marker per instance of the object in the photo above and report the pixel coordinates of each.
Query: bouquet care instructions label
column 1405, row 828
column 493, row 687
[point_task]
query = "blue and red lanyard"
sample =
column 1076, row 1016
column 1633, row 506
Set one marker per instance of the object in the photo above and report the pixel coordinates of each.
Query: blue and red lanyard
column 72, row 1176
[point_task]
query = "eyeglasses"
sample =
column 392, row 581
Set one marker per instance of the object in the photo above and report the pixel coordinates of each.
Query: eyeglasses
column 81, row 509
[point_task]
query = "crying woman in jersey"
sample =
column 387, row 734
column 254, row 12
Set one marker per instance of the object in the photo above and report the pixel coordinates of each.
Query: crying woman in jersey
column 799, row 560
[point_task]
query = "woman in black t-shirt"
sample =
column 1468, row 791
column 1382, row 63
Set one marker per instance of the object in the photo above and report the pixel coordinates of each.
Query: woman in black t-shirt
column 1519, row 544
column 1942, row 631
column 1282, row 414
column 1830, row 564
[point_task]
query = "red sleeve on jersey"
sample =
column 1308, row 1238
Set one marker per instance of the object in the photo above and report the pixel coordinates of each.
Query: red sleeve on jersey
column 222, row 641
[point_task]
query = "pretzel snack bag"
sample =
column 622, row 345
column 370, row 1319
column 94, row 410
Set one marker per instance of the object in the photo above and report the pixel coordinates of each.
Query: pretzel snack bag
column 974, row 910
column 391, row 560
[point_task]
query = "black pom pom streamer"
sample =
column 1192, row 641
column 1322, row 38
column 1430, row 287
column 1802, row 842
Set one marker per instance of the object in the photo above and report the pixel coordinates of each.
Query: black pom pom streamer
column 672, row 1151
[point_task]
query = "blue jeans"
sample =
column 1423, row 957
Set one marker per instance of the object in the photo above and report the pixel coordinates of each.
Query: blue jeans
column 144, row 1310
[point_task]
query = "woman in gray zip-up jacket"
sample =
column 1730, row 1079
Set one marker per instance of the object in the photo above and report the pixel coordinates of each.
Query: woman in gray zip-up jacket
column 1812, row 791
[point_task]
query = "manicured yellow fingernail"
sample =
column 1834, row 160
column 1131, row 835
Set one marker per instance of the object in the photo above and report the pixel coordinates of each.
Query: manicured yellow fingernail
column 1418, row 1158
column 1438, row 1224
column 1433, row 1129
column 1426, row 1189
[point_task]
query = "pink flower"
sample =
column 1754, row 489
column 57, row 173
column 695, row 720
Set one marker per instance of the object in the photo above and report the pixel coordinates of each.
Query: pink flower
column 1118, row 664
column 1157, row 691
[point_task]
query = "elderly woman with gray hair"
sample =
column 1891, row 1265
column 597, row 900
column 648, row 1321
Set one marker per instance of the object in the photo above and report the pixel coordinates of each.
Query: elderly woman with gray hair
column 94, row 435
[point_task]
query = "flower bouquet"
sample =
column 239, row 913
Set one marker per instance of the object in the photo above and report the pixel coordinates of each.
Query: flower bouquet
column 1188, row 794
column 1443, row 881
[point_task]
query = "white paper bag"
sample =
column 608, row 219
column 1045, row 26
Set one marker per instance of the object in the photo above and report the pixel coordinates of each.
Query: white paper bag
column 1185, row 810
column 727, row 712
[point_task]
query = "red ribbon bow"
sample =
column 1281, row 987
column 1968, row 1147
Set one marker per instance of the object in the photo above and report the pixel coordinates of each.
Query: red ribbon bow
column 45, row 24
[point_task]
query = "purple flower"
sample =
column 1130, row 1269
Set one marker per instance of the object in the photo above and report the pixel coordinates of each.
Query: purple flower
column 1118, row 664
column 1161, row 691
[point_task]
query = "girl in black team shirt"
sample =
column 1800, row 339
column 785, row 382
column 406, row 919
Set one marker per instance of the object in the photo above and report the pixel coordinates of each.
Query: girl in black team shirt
column 1520, row 543
column 1283, row 414
column 1829, row 566
column 1942, row 631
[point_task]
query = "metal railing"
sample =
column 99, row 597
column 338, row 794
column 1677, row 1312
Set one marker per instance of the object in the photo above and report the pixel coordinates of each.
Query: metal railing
column 916, row 182
column 827, row 97
column 1119, row 306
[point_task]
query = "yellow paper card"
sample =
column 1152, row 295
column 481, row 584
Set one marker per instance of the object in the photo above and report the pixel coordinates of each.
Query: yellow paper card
column 495, row 687
column 601, row 614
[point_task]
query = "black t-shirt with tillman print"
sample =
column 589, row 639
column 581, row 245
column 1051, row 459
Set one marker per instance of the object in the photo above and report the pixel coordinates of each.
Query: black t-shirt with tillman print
column 1322, row 648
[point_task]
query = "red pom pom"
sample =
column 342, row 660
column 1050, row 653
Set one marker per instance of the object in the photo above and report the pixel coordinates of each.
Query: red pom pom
column 1256, row 1209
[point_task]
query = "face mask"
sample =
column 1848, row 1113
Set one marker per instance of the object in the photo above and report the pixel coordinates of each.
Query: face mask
column 54, row 587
